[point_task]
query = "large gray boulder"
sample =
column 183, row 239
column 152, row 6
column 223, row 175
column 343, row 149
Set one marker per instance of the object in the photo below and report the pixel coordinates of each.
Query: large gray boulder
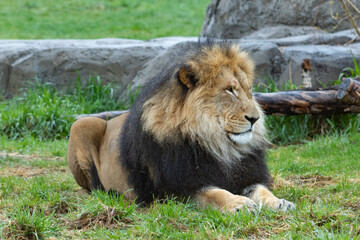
column 62, row 61
column 235, row 19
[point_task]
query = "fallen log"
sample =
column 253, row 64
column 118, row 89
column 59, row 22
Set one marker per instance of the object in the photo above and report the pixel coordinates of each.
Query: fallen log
column 343, row 98
column 349, row 92
column 103, row 115
column 339, row 99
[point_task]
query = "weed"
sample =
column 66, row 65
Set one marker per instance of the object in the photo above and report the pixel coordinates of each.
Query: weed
column 31, row 223
column 349, row 72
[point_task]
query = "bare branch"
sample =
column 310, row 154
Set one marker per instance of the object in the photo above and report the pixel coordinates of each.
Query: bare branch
column 353, row 6
column 350, row 17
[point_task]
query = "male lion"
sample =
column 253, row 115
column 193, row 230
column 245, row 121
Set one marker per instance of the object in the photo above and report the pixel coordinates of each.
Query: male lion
column 195, row 131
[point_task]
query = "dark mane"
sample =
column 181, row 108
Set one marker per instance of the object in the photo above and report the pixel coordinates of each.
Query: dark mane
column 182, row 169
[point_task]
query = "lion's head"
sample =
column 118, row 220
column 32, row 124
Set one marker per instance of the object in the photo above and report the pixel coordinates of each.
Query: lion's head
column 209, row 101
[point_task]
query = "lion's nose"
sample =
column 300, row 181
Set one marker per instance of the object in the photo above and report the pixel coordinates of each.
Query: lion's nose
column 252, row 120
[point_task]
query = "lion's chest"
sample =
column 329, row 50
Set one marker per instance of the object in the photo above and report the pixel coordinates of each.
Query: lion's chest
column 185, row 173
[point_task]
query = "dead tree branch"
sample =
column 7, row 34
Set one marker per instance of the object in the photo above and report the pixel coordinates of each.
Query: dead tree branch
column 349, row 16
column 343, row 98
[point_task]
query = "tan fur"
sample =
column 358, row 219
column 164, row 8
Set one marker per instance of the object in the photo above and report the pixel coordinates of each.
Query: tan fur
column 262, row 196
column 224, row 200
column 83, row 148
column 94, row 139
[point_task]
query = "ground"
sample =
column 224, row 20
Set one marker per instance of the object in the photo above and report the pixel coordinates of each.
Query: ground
column 39, row 195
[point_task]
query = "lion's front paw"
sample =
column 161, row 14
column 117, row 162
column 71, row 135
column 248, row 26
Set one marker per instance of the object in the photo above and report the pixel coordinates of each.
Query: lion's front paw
column 283, row 205
column 239, row 203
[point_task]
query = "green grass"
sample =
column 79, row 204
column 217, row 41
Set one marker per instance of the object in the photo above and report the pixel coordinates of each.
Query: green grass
column 40, row 199
column 46, row 114
column 29, row 145
column 89, row 19
column 298, row 129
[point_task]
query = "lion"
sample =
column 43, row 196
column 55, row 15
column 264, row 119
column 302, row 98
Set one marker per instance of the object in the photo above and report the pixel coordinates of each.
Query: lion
column 194, row 132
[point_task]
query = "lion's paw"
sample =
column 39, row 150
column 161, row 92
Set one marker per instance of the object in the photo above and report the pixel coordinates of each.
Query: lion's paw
column 240, row 203
column 283, row 205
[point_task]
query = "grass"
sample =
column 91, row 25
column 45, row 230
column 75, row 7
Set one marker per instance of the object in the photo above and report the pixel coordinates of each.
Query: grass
column 90, row 19
column 286, row 130
column 40, row 199
column 46, row 114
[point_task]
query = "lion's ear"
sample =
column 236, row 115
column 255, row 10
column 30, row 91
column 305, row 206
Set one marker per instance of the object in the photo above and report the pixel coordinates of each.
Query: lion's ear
column 187, row 76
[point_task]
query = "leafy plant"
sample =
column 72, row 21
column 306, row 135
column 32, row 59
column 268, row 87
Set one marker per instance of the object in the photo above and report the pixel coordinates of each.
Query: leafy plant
column 349, row 72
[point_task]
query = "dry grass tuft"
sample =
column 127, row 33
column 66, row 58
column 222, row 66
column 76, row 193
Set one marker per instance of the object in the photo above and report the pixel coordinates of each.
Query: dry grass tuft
column 110, row 218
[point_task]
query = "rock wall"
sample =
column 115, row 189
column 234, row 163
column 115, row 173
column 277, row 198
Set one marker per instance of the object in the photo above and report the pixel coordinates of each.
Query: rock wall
column 62, row 61
column 133, row 61
column 234, row 19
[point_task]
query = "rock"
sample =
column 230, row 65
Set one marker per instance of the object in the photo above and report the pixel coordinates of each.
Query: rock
column 338, row 38
column 236, row 19
column 137, row 62
column 282, row 31
column 267, row 57
column 62, row 61
column 326, row 62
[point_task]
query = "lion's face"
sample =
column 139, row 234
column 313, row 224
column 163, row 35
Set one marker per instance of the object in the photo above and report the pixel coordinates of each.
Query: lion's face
column 227, row 100
column 217, row 110
column 237, row 110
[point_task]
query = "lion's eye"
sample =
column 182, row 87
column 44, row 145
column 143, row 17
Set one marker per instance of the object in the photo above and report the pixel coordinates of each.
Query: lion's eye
column 230, row 90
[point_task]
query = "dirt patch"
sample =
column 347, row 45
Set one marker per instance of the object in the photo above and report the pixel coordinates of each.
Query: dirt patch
column 313, row 180
column 23, row 172
column 28, row 172
column 110, row 218
column 27, row 157
column 252, row 232
column 279, row 182
column 353, row 205
column 354, row 180
column 62, row 207
column 179, row 226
